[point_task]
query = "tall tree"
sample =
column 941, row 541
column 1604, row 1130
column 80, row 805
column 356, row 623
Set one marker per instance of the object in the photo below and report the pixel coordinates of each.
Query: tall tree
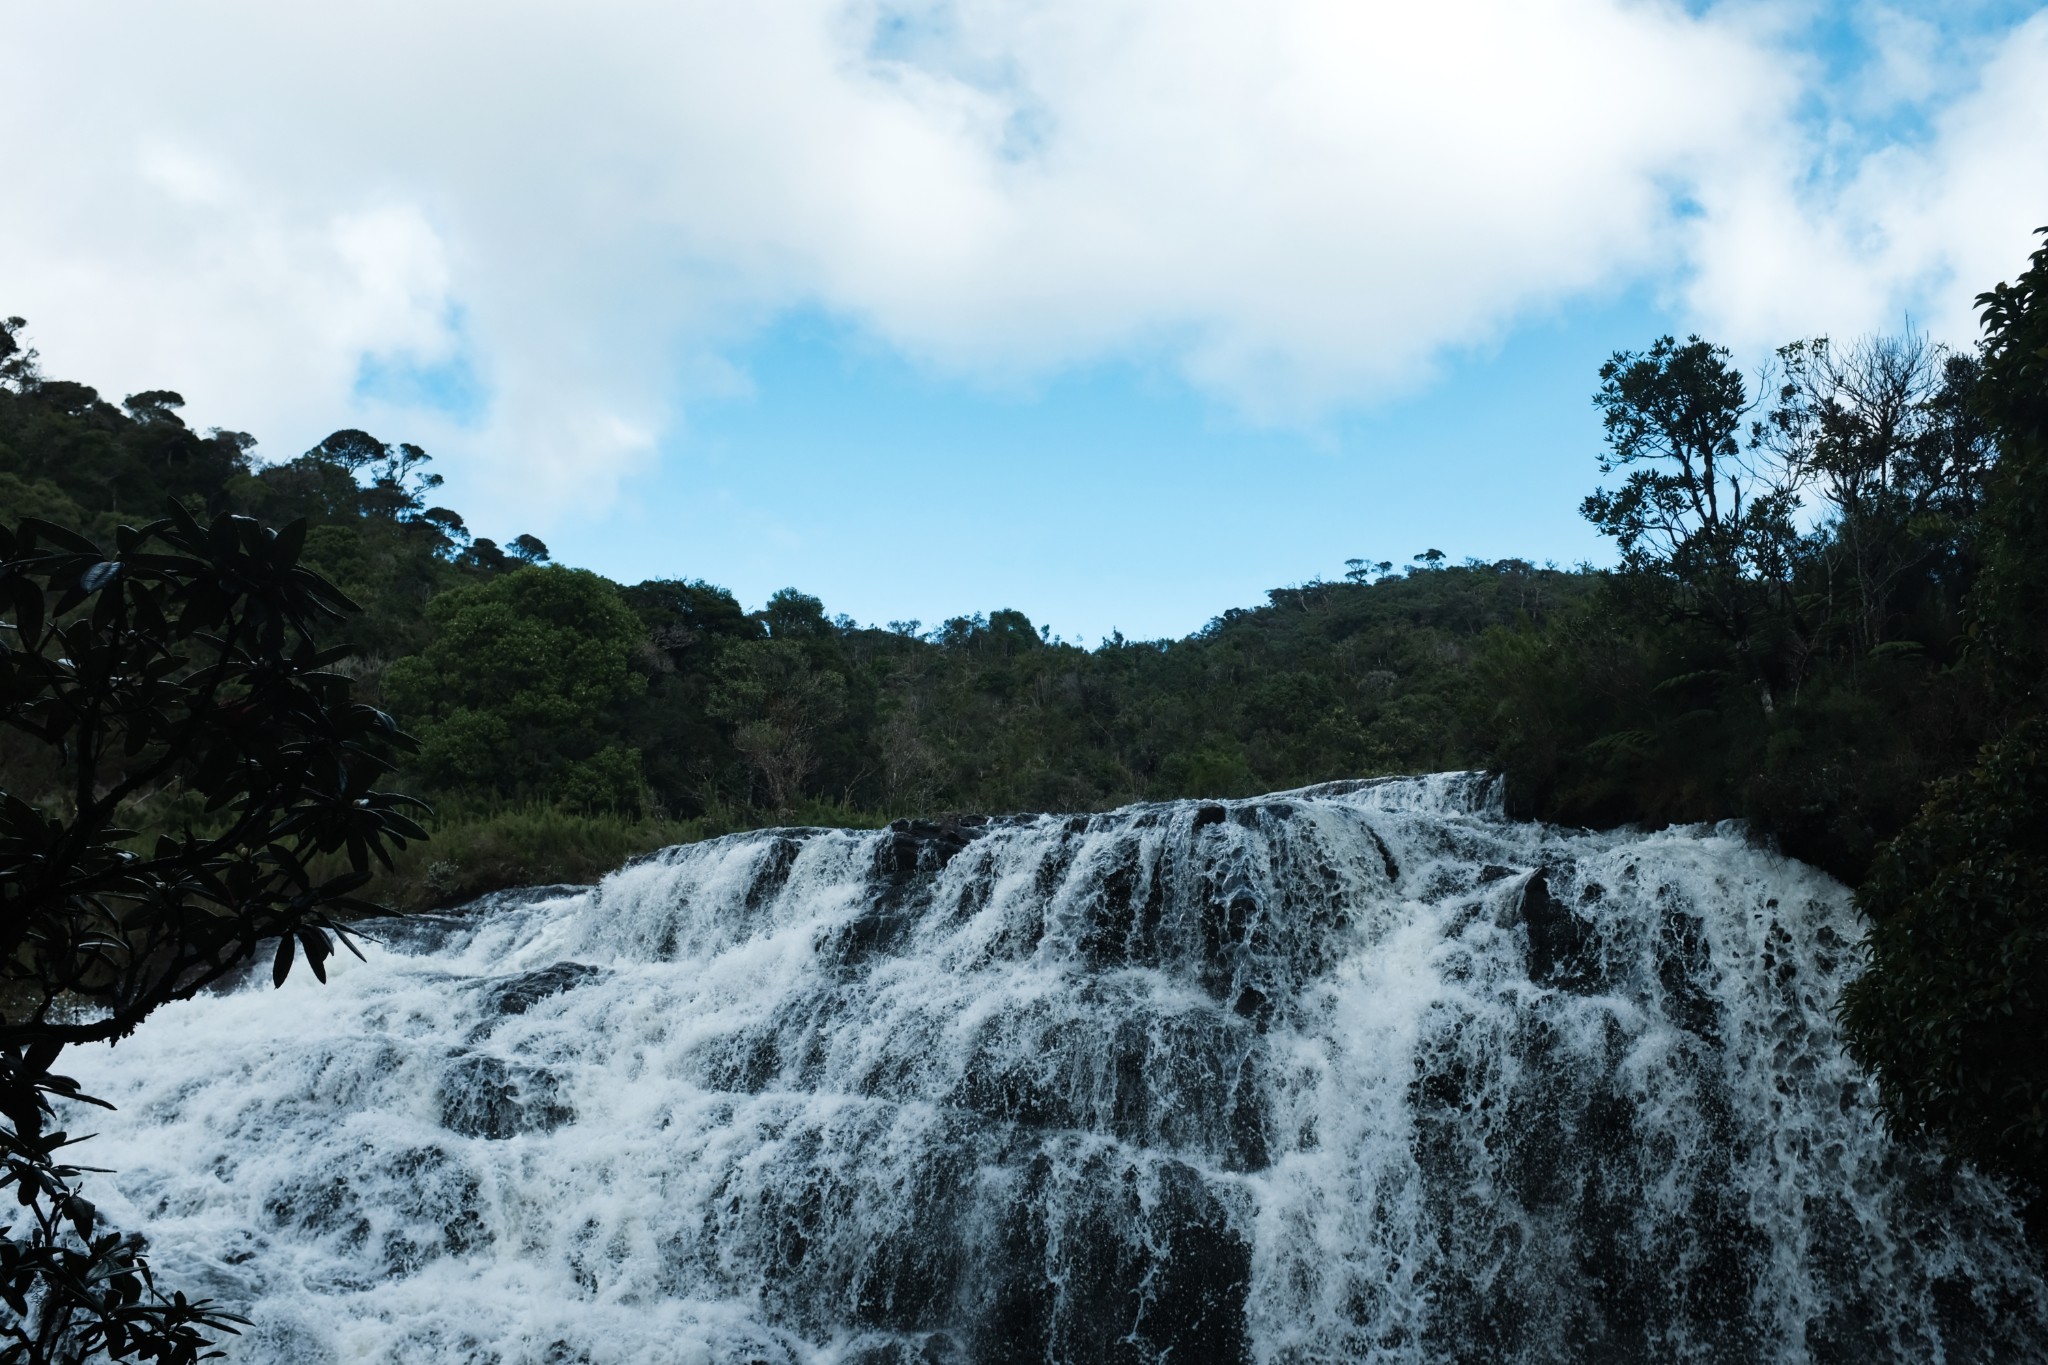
column 1881, row 430
column 1699, row 512
column 779, row 705
column 2013, row 398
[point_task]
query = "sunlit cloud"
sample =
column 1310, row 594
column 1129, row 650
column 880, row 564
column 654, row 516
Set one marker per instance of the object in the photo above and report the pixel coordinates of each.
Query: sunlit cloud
column 525, row 235
column 1909, row 230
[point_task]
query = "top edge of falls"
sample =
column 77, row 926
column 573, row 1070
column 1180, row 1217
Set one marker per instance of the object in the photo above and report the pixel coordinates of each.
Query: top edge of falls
column 1460, row 793
column 1470, row 792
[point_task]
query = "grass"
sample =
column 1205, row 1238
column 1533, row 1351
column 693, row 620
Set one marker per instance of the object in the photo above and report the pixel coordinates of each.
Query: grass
column 476, row 846
column 476, row 849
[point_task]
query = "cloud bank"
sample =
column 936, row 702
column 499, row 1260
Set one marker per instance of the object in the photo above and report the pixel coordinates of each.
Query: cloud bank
column 524, row 235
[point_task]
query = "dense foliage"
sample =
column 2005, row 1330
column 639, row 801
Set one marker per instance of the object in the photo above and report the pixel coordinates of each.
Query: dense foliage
column 1953, row 1010
column 521, row 686
column 175, row 669
column 1955, row 1007
column 1812, row 679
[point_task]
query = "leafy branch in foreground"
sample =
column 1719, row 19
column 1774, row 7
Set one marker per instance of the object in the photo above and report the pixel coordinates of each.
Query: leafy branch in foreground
column 181, row 667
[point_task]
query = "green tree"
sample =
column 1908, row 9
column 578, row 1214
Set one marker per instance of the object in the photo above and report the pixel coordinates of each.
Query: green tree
column 372, row 531
column 793, row 615
column 1698, row 513
column 780, row 707
column 110, row 461
column 688, row 627
column 520, row 689
column 184, row 661
column 2012, row 396
column 1953, row 1009
column 1883, row 431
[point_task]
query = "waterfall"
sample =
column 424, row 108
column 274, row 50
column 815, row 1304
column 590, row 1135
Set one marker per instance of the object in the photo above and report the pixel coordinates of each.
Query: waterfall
column 1364, row 1072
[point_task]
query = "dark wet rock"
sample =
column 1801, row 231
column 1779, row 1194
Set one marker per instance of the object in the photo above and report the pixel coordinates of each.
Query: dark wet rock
column 1247, row 1148
column 1188, row 1083
column 436, row 1212
column 518, row 994
column 1230, row 915
column 1252, row 815
column 1054, row 866
column 934, row 1348
column 1564, row 950
column 916, row 846
column 900, row 1280
column 1572, row 1160
column 773, row 872
column 1016, row 1327
column 745, row 1062
column 488, row 1097
column 1195, row 1303
column 1685, row 971
column 1142, row 1280
column 1209, row 815
column 877, row 931
column 1392, row 868
column 744, row 1345
column 1120, row 923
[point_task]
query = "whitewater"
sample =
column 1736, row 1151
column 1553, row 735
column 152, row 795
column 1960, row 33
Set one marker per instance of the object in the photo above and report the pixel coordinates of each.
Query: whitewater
column 1365, row 1072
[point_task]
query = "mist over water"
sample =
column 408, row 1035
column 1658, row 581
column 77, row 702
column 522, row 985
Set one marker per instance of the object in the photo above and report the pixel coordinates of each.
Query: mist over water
column 1363, row 1072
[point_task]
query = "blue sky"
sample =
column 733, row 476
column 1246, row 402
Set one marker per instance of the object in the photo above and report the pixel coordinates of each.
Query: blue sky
column 1112, row 497
column 1117, row 313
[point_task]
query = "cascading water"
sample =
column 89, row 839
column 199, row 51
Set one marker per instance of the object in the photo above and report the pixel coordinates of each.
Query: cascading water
column 1363, row 1072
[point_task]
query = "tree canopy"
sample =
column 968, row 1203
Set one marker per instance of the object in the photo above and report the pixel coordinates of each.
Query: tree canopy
column 522, row 683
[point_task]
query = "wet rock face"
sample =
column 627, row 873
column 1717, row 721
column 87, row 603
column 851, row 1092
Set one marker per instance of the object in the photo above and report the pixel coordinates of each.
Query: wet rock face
column 520, row 993
column 1140, row 1275
column 915, row 846
column 1363, row 1072
column 489, row 1097
column 1564, row 950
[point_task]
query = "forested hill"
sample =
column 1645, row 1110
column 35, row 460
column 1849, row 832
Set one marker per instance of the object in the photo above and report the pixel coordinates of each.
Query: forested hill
column 1812, row 681
column 536, row 683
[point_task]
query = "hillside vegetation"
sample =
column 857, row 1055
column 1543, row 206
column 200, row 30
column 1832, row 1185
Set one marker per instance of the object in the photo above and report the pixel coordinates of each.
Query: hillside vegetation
column 1810, row 680
column 666, row 707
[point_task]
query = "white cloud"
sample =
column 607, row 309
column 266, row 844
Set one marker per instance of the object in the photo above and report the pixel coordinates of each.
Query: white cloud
column 1916, row 228
column 1303, row 203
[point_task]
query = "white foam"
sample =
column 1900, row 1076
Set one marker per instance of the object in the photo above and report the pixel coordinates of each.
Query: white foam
column 1279, row 1062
